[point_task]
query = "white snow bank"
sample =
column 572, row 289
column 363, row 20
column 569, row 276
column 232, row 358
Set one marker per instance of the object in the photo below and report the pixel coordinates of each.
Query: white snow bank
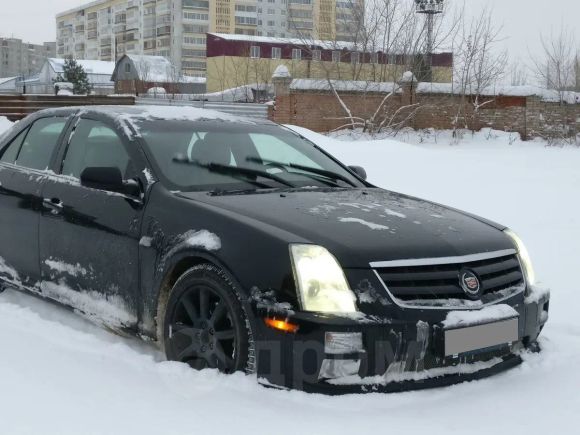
column 492, row 313
column 75, row 378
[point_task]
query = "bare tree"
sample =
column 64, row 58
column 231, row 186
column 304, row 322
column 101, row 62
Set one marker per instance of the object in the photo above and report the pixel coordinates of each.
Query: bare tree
column 479, row 66
column 556, row 66
column 386, row 39
column 518, row 74
column 143, row 75
column 174, row 78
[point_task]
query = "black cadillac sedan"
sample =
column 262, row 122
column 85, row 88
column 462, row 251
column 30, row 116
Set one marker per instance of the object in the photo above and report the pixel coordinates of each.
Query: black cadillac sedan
column 239, row 245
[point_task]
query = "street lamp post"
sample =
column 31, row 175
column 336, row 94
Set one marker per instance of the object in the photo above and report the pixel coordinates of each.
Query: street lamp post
column 429, row 8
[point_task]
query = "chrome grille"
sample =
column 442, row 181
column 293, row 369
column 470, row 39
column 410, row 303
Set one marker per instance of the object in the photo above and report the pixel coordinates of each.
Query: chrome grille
column 441, row 281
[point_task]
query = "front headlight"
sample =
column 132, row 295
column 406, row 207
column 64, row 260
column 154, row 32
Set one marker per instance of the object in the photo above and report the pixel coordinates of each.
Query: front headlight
column 321, row 283
column 524, row 257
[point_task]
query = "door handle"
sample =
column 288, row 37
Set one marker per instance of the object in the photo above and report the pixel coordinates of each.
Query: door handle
column 53, row 203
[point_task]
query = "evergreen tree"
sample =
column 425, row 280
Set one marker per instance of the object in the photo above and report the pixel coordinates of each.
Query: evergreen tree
column 75, row 74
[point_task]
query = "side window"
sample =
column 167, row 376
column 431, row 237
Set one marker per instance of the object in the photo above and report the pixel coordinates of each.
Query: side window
column 94, row 144
column 40, row 143
column 11, row 151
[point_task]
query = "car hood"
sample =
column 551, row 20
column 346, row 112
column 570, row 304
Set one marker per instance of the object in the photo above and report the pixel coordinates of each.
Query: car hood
column 360, row 226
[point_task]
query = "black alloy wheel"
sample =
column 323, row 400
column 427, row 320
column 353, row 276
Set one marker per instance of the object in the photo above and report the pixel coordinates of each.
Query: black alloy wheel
column 205, row 324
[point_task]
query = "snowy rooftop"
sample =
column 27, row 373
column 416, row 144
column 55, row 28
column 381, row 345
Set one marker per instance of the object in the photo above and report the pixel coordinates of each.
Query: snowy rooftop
column 290, row 41
column 152, row 68
column 97, row 67
column 7, row 79
column 159, row 69
column 548, row 95
column 82, row 7
column 342, row 85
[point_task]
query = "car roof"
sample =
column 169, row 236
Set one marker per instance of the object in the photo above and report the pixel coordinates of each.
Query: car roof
column 135, row 113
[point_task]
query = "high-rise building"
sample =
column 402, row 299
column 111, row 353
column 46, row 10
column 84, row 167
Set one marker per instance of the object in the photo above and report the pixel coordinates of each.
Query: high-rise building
column 176, row 29
column 22, row 59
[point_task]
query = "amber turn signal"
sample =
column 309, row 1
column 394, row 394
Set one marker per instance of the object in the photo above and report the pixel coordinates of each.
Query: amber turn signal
column 281, row 325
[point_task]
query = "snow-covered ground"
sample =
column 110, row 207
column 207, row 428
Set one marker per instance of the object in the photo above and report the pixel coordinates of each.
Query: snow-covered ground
column 60, row 374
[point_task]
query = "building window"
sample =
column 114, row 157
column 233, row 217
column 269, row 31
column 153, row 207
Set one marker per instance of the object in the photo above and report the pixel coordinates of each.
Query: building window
column 245, row 8
column 296, row 54
column 276, row 53
column 194, row 40
column 127, row 67
column 254, row 52
column 355, row 57
column 316, row 55
column 195, row 16
column 336, row 56
column 271, row 12
column 246, row 20
column 199, row 4
column 271, row 23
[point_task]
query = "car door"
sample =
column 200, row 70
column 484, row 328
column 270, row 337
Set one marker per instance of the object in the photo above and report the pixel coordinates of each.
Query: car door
column 89, row 238
column 23, row 165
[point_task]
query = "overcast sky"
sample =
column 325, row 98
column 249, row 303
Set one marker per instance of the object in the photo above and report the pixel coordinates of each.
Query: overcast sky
column 33, row 20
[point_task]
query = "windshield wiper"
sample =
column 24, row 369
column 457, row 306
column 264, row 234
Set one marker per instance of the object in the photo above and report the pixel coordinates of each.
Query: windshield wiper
column 323, row 172
column 247, row 173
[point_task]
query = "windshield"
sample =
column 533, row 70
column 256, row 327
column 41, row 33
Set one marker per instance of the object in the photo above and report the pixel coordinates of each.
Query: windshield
column 224, row 156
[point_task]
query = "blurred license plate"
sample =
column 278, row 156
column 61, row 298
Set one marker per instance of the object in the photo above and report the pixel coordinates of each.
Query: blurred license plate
column 473, row 338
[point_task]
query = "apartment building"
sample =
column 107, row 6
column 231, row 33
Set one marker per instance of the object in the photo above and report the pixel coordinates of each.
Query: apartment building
column 176, row 29
column 18, row 58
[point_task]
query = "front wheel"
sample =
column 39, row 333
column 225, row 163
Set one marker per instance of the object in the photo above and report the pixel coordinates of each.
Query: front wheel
column 205, row 324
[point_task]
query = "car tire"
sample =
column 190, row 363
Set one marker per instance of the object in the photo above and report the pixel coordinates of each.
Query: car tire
column 205, row 324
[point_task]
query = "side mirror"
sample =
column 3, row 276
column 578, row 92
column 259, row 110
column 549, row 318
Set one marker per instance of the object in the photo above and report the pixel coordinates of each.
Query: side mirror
column 109, row 179
column 359, row 170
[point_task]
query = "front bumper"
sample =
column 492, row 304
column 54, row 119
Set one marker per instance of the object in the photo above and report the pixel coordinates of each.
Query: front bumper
column 399, row 353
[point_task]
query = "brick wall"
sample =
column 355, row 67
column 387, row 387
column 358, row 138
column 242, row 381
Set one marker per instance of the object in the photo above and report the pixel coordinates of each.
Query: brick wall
column 529, row 116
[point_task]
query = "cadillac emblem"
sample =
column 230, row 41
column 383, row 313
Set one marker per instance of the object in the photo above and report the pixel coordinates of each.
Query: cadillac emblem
column 470, row 284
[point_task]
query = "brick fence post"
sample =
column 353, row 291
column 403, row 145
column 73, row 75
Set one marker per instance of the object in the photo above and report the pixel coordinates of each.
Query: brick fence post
column 281, row 111
column 408, row 84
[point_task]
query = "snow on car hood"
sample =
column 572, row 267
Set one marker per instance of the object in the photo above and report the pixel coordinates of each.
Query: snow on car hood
column 360, row 226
